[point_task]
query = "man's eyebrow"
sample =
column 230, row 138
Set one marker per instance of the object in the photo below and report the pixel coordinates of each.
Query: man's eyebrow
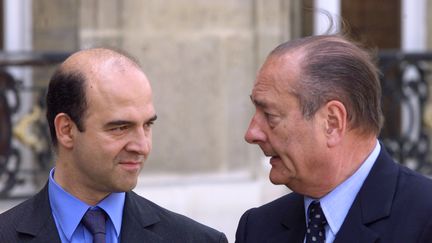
column 152, row 119
column 258, row 102
column 118, row 123
column 115, row 123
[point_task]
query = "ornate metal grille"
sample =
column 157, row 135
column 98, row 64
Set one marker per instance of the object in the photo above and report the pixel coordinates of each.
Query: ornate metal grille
column 30, row 130
column 406, row 132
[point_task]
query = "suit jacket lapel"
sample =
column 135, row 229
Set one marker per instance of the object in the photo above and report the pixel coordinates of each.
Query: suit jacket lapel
column 354, row 230
column 294, row 222
column 137, row 219
column 39, row 221
column 373, row 202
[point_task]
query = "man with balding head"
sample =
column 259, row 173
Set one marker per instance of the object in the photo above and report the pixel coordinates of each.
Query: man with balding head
column 317, row 117
column 100, row 114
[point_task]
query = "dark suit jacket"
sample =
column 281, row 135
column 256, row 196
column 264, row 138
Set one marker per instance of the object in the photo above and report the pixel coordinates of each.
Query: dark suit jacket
column 143, row 221
column 394, row 205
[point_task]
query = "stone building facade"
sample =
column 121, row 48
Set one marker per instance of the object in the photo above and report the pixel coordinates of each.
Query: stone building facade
column 201, row 57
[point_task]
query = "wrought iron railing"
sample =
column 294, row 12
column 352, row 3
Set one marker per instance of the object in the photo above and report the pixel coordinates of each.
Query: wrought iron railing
column 26, row 131
column 407, row 108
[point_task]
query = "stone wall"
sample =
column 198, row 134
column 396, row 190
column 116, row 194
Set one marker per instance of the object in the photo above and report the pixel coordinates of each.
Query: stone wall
column 55, row 29
column 55, row 25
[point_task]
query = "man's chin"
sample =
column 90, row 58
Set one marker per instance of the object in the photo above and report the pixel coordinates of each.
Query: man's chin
column 126, row 187
column 278, row 178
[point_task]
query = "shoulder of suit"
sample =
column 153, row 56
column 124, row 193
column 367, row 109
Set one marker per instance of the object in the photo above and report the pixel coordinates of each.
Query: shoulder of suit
column 291, row 199
column 415, row 182
column 15, row 212
column 276, row 210
column 10, row 219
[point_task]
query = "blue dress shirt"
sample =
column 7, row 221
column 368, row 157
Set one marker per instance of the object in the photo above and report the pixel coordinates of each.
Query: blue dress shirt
column 68, row 211
column 337, row 203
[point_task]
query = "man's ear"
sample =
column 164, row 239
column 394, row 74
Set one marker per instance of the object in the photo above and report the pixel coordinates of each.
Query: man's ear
column 336, row 122
column 64, row 130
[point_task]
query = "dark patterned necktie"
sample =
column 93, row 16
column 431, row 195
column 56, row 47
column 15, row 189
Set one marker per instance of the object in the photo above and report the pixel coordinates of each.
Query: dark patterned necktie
column 94, row 221
column 315, row 232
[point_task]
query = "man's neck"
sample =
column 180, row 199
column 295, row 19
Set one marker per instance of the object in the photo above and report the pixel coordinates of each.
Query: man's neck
column 69, row 183
column 346, row 160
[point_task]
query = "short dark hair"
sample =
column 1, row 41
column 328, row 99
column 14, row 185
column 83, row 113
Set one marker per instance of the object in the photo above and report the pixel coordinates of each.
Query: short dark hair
column 66, row 94
column 332, row 67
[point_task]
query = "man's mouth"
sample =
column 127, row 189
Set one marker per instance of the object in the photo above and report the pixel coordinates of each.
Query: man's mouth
column 274, row 159
column 130, row 165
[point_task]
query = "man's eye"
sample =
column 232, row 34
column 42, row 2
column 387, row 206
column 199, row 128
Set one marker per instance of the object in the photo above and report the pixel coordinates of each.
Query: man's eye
column 269, row 116
column 271, row 119
column 120, row 128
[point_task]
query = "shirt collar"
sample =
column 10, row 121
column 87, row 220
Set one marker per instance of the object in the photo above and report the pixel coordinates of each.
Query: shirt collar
column 337, row 203
column 69, row 210
column 113, row 206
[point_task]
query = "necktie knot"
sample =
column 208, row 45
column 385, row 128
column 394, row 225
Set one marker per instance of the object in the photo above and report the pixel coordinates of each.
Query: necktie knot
column 316, row 222
column 94, row 221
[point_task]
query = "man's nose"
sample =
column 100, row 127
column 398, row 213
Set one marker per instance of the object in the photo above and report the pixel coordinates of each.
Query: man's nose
column 254, row 133
column 140, row 142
